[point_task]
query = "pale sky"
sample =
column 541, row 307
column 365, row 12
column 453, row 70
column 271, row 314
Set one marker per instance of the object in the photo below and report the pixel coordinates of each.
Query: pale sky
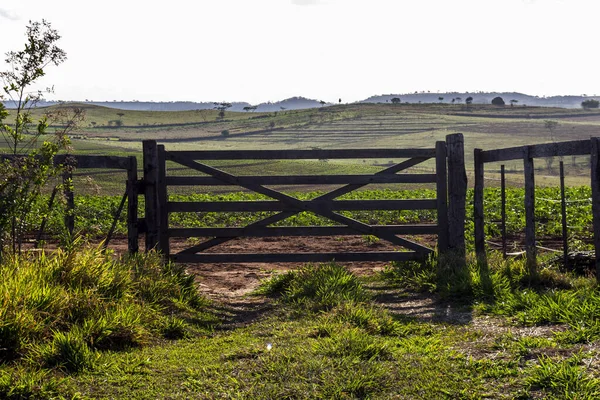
column 269, row 50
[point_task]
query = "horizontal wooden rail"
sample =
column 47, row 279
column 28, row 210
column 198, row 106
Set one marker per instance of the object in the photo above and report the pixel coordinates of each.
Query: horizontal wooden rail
column 295, row 257
column 345, row 205
column 303, row 179
column 302, row 154
column 87, row 161
column 423, row 229
column 576, row 147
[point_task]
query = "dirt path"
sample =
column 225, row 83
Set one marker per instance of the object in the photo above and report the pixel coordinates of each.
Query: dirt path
column 231, row 282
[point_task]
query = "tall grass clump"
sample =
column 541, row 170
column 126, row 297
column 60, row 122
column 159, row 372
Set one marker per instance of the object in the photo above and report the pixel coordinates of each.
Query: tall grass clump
column 317, row 287
column 56, row 310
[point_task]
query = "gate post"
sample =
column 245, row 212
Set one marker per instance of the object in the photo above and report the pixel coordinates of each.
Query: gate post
column 132, row 206
column 457, row 196
column 595, row 159
column 530, row 212
column 150, row 150
column 161, row 191
column 478, row 211
column 442, row 196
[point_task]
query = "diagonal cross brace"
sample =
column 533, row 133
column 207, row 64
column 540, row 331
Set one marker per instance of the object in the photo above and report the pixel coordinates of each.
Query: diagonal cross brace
column 300, row 205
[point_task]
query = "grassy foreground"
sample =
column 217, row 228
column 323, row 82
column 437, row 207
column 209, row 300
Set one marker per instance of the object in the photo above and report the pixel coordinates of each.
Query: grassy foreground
column 81, row 325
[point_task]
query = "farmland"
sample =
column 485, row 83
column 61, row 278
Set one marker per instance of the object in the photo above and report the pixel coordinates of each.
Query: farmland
column 81, row 323
column 344, row 126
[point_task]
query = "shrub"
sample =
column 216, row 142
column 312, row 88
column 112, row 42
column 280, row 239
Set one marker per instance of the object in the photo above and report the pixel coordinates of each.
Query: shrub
column 225, row 133
column 591, row 103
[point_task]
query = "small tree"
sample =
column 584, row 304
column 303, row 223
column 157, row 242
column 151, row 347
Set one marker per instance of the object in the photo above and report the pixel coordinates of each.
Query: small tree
column 31, row 164
column 513, row 102
column 591, row 103
column 322, row 102
column 440, row 99
column 498, row 101
column 469, row 100
column 396, row 100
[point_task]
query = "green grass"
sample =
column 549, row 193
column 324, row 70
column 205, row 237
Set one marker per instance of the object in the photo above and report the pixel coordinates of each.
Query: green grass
column 60, row 312
column 327, row 334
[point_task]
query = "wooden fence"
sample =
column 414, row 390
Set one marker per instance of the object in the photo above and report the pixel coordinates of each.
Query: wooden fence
column 73, row 162
column 450, row 205
column 528, row 154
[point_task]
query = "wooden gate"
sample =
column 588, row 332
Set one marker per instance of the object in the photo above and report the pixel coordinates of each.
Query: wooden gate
column 158, row 206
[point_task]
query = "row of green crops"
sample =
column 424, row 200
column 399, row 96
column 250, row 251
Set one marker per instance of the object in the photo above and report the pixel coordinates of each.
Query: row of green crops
column 94, row 214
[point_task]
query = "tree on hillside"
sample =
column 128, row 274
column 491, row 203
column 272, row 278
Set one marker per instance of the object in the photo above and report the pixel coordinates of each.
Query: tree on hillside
column 396, row 100
column 469, row 100
column 322, row 102
column 222, row 107
column 513, row 102
column 591, row 103
column 440, row 99
column 250, row 108
column 498, row 101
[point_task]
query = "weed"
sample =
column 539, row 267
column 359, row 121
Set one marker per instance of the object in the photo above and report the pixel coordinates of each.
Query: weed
column 67, row 351
column 323, row 286
column 564, row 379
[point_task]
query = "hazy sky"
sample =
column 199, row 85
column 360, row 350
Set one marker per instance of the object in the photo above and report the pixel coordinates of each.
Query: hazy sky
column 268, row 50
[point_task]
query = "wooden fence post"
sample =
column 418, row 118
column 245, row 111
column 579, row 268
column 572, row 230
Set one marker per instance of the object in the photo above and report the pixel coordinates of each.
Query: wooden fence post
column 457, row 197
column 70, row 199
column 150, row 194
column 132, row 206
column 503, row 211
column 442, row 196
column 161, row 190
column 478, row 211
column 595, row 161
column 530, row 211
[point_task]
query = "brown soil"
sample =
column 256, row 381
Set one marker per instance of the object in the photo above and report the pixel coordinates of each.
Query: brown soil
column 232, row 281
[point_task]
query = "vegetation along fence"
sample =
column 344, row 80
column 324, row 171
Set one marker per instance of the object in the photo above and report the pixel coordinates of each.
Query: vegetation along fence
column 528, row 154
column 450, row 204
column 71, row 163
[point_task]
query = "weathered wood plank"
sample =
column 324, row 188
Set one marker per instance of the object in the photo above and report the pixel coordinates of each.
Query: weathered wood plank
column 595, row 182
column 442, row 197
column 85, row 161
column 303, row 154
column 574, row 147
column 457, row 196
column 530, row 212
column 303, row 179
column 89, row 161
column 423, row 229
column 132, row 206
column 478, row 211
column 161, row 192
column 150, row 193
column 295, row 257
column 345, row 205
